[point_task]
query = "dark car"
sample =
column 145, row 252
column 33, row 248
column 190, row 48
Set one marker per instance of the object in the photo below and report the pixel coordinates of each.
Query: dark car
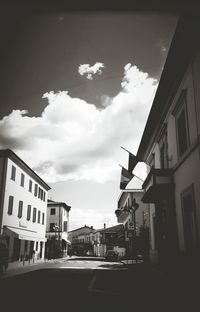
column 112, row 255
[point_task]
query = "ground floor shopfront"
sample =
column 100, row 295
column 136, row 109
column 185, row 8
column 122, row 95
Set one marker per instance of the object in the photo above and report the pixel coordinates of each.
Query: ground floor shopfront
column 23, row 245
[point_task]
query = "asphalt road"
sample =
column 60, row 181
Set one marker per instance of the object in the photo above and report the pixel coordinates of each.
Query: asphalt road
column 85, row 284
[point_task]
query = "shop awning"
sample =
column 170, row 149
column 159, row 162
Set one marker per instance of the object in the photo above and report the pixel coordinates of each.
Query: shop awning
column 158, row 185
column 26, row 234
column 67, row 241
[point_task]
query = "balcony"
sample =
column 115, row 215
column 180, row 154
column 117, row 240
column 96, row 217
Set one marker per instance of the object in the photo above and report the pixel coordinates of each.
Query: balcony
column 122, row 214
column 158, row 185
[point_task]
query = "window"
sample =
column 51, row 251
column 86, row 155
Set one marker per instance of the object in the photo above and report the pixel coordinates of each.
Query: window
column 53, row 211
column 43, row 216
column 36, row 246
column 10, row 205
column 30, row 186
column 22, row 179
column 182, row 125
column 39, row 213
column 28, row 212
column 20, row 209
column 52, row 227
column 13, row 173
column 34, row 214
column 44, row 196
column 36, row 189
column 65, row 226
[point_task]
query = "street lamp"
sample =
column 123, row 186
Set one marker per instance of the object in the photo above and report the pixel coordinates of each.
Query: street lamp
column 132, row 209
column 55, row 228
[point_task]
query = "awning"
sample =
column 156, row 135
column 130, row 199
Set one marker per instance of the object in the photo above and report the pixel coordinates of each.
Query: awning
column 26, row 235
column 158, row 185
column 67, row 241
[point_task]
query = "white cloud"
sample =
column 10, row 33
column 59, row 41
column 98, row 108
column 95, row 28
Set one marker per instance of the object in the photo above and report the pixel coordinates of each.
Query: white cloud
column 89, row 71
column 73, row 139
column 91, row 217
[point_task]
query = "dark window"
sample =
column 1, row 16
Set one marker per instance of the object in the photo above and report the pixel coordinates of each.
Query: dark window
column 44, row 196
column 180, row 113
column 30, row 186
column 182, row 132
column 43, row 217
column 34, row 214
column 53, row 211
column 39, row 213
column 22, row 179
column 65, row 226
column 10, row 205
column 52, row 227
column 41, row 195
column 162, row 156
column 28, row 212
column 36, row 189
column 20, row 209
column 13, row 173
column 36, row 247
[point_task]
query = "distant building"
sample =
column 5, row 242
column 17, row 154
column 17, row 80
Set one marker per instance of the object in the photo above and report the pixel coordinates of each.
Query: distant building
column 111, row 238
column 57, row 226
column 23, row 207
column 82, row 240
column 170, row 145
column 126, row 217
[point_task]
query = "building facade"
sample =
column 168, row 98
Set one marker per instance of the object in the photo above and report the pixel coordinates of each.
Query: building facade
column 82, row 240
column 57, row 226
column 170, row 146
column 136, row 225
column 111, row 238
column 23, row 207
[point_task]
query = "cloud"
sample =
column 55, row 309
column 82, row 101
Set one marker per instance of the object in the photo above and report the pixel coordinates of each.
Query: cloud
column 83, row 217
column 89, row 71
column 73, row 139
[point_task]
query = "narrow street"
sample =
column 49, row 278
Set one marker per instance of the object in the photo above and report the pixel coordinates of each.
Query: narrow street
column 86, row 282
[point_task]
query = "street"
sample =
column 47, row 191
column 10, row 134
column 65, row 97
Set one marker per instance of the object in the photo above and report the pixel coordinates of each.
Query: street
column 81, row 283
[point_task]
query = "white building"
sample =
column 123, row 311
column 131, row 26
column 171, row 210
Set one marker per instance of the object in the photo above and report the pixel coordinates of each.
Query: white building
column 23, row 205
column 133, row 223
column 171, row 146
column 57, row 226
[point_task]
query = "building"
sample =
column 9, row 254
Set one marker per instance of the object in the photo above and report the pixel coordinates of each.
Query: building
column 170, row 145
column 23, row 205
column 82, row 240
column 57, row 226
column 111, row 238
column 136, row 226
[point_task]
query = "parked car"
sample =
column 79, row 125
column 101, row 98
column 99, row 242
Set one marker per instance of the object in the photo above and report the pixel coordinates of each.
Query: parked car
column 112, row 255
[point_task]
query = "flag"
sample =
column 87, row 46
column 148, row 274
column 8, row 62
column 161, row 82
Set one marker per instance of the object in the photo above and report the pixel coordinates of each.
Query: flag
column 132, row 162
column 126, row 177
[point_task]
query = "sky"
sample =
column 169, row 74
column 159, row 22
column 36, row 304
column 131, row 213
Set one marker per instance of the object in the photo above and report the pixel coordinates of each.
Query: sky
column 76, row 87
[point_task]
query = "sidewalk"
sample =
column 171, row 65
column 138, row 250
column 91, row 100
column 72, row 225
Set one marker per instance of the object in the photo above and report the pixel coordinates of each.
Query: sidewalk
column 17, row 268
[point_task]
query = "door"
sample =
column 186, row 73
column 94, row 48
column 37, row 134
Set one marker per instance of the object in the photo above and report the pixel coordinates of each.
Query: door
column 189, row 221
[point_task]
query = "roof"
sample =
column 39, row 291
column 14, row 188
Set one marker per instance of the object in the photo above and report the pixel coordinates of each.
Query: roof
column 113, row 229
column 51, row 203
column 83, row 227
column 183, row 46
column 7, row 153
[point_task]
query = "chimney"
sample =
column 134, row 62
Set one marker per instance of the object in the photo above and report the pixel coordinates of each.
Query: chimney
column 104, row 225
column 92, row 227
